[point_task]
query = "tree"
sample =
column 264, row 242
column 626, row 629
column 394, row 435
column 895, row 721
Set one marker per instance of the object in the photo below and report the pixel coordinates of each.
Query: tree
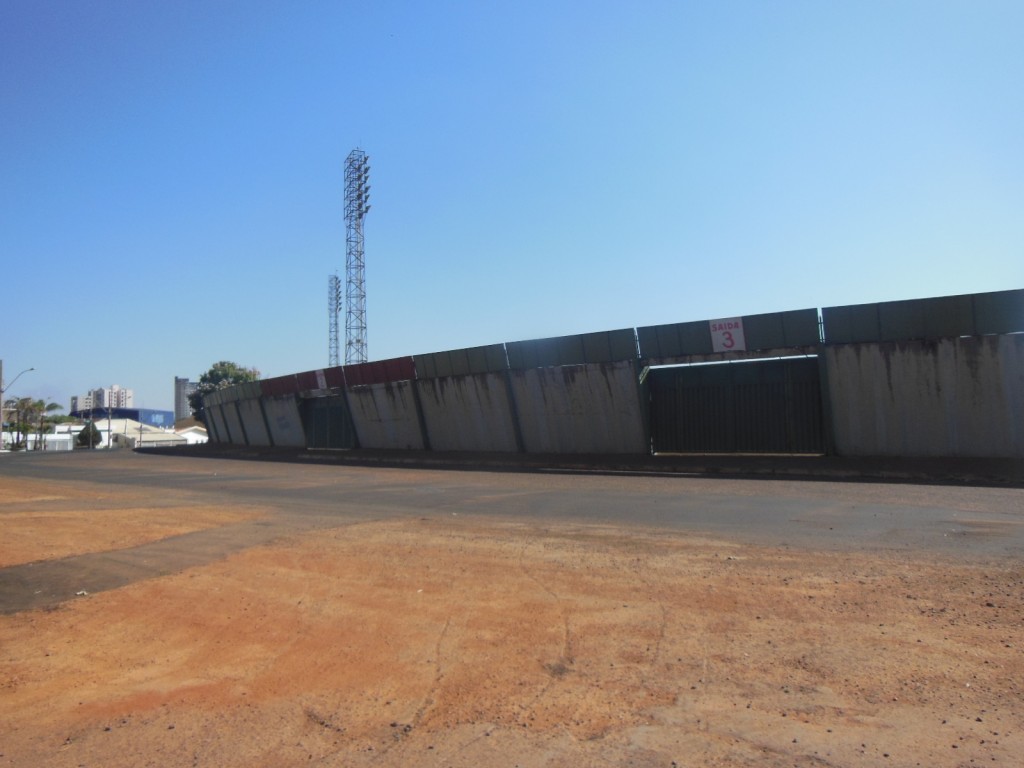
column 30, row 415
column 41, row 411
column 89, row 436
column 220, row 376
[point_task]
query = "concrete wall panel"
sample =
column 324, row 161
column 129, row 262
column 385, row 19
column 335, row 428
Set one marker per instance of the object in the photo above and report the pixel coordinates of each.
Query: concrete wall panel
column 951, row 397
column 230, row 413
column 591, row 408
column 385, row 416
column 252, row 419
column 218, row 431
column 284, row 421
column 468, row 413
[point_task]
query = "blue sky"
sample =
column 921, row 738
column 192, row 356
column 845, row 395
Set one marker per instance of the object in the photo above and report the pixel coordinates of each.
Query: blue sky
column 171, row 173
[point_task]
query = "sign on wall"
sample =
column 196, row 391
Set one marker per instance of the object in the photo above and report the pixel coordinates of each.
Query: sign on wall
column 727, row 335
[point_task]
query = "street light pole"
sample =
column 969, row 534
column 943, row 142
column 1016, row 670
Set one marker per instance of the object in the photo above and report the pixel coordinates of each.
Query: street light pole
column 4, row 388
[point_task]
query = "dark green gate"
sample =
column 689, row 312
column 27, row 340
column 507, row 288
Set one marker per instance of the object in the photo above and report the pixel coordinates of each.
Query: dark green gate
column 328, row 423
column 764, row 406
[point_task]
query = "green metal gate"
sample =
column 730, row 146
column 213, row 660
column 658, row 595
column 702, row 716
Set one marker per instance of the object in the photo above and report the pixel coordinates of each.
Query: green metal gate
column 328, row 423
column 764, row 406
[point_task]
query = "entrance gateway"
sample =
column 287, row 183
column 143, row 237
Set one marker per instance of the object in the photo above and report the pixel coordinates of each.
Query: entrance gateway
column 756, row 406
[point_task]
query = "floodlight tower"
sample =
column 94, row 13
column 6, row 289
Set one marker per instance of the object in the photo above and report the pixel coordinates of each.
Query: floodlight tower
column 357, row 193
column 333, row 310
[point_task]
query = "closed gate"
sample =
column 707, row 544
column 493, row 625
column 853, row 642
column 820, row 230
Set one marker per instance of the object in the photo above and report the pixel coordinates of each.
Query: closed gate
column 328, row 423
column 765, row 406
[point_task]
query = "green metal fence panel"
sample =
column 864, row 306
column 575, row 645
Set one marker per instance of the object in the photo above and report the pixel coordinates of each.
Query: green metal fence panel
column 776, row 330
column 932, row 318
column 609, row 346
column 461, row 362
column 999, row 312
column 487, row 359
column 852, row 323
column 600, row 347
column 675, row 340
column 542, row 353
column 431, row 365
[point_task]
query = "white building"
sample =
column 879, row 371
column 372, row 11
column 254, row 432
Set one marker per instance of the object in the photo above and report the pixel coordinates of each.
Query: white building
column 81, row 403
column 113, row 433
column 114, row 396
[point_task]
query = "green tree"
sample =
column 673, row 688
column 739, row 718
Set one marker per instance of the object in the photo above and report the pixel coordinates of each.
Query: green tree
column 42, row 414
column 89, row 437
column 30, row 416
column 220, row 376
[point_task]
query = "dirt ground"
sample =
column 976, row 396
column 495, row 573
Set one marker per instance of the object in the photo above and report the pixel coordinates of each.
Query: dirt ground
column 461, row 640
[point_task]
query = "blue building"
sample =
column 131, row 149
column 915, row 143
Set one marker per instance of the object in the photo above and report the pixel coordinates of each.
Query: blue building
column 150, row 416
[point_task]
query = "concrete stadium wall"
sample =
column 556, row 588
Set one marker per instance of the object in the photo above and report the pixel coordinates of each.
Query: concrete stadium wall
column 947, row 397
column 386, row 416
column 284, row 421
column 925, row 377
column 468, row 413
column 251, row 413
column 218, row 432
column 593, row 408
column 229, row 411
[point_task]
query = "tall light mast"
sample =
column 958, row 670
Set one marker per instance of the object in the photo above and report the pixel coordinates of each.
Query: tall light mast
column 357, row 195
column 333, row 310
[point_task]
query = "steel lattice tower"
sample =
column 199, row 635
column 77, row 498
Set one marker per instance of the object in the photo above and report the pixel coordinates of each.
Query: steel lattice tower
column 357, row 193
column 333, row 310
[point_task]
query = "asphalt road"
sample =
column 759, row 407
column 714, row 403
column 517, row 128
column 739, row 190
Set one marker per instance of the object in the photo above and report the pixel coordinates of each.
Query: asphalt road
column 977, row 523
column 956, row 520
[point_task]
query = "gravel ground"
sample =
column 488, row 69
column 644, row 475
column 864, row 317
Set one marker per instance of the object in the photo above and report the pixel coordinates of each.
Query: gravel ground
column 251, row 614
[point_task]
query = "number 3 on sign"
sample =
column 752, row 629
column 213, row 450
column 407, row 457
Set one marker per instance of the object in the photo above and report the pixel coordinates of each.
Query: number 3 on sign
column 727, row 335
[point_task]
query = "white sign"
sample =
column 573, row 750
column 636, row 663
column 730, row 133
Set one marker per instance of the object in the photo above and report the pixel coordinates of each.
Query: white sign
column 321, row 380
column 727, row 335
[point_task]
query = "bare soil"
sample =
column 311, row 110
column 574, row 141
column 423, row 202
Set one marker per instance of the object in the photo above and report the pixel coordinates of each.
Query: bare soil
column 455, row 640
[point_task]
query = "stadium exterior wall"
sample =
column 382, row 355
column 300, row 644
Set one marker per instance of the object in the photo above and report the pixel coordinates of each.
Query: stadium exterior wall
column 923, row 377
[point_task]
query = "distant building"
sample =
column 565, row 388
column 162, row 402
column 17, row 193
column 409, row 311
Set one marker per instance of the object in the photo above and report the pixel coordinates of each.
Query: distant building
column 81, row 403
column 148, row 416
column 182, row 389
column 114, row 396
column 120, row 432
